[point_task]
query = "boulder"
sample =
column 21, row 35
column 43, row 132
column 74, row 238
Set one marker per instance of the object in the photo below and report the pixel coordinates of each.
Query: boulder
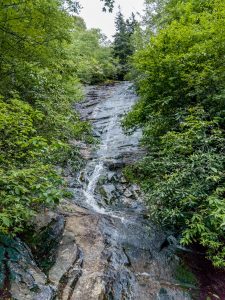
column 114, row 164
column 107, row 191
column 128, row 193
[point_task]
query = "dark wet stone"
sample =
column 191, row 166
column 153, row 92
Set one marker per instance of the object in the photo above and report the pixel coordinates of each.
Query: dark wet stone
column 163, row 295
column 106, row 250
column 47, row 238
column 128, row 193
column 19, row 273
column 115, row 165
column 122, row 254
column 96, row 133
column 107, row 191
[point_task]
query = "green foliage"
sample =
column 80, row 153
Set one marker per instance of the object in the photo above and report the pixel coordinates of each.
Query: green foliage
column 184, row 276
column 45, row 53
column 26, row 179
column 123, row 45
column 185, row 182
column 94, row 61
column 181, row 109
column 108, row 4
column 23, row 191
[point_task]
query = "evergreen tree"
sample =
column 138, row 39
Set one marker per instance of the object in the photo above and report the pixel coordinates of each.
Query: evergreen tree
column 108, row 4
column 123, row 47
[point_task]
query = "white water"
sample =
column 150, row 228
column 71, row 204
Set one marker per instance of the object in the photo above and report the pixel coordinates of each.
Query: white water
column 89, row 191
column 106, row 117
column 136, row 265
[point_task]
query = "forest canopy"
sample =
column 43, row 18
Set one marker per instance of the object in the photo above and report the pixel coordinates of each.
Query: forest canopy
column 179, row 74
column 45, row 54
column 176, row 58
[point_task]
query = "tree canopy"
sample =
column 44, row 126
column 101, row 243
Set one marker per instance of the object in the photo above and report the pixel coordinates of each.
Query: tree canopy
column 180, row 79
column 123, row 45
column 46, row 53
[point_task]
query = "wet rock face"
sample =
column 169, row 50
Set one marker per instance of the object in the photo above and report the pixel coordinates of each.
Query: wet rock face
column 122, row 255
column 68, row 266
column 47, row 236
column 22, row 279
column 115, row 192
column 103, row 248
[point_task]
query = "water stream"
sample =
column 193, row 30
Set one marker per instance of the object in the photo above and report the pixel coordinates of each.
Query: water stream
column 101, row 245
column 113, row 143
column 135, row 266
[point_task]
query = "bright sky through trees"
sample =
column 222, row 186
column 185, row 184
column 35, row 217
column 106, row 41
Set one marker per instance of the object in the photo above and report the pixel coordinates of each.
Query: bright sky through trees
column 94, row 17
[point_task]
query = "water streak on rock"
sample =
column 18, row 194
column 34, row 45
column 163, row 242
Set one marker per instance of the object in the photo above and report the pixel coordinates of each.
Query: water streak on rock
column 121, row 250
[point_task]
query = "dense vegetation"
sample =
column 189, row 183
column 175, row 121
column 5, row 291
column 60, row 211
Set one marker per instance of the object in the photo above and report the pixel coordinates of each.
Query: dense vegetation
column 91, row 54
column 45, row 52
column 178, row 64
column 181, row 81
column 123, row 46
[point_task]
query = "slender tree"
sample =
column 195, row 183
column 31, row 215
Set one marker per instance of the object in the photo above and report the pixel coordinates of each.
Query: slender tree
column 123, row 47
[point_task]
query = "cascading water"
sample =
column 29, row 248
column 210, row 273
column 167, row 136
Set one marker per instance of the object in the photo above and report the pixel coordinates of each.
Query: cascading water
column 98, row 168
column 106, row 118
column 123, row 259
column 103, row 244
column 89, row 191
